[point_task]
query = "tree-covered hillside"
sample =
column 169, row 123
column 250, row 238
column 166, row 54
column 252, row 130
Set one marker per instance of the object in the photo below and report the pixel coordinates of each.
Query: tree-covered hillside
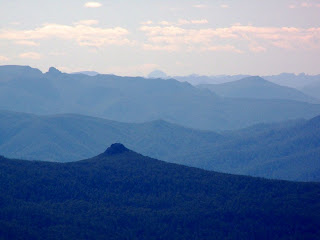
column 123, row 195
column 286, row 150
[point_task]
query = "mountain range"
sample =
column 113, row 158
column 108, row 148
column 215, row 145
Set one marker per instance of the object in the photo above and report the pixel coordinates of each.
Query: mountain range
column 257, row 88
column 297, row 81
column 120, row 194
column 288, row 150
column 135, row 99
column 312, row 89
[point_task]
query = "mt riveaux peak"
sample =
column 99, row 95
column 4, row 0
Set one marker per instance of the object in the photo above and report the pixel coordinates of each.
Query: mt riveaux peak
column 116, row 148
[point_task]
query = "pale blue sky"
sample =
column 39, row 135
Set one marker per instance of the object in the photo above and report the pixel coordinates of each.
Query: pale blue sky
column 179, row 37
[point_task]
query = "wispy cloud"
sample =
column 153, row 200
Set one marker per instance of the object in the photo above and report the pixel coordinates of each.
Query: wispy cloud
column 223, row 48
column 31, row 55
column 3, row 58
column 92, row 5
column 88, row 22
column 186, row 22
column 200, row 21
column 84, row 35
column 26, row 43
column 224, row 6
column 149, row 22
column 154, row 47
column 180, row 22
column 164, row 23
column 57, row 54
column 15, row 23
column 200, row 6
column 306, row 4
column 236, row 38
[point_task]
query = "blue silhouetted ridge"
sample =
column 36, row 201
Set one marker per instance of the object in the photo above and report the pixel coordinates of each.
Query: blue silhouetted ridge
column 116, row 148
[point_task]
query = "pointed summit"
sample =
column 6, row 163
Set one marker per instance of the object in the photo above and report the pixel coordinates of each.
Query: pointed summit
column 54, row 71
column 158, row 74
column 116, row 148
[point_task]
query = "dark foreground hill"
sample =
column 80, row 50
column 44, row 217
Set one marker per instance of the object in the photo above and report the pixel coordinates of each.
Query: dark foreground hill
column 136, row 99
column 123, row 195
column 288, row 150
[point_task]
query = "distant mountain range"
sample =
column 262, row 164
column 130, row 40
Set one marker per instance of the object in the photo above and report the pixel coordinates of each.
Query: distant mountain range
column 288, row 150
column 312, row 89
column 135, row 99
column 284, row 79
column 88, row 73
column 121, row 194
column 257, row 88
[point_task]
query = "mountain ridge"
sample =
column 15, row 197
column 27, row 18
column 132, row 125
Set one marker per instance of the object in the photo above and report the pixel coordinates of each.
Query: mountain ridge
column 257, row 88
column 136, row 99
column 251, row 151
column 127, row 194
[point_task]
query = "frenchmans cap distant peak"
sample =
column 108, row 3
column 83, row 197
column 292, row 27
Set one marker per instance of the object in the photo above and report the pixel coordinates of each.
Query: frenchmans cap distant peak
column 53, row 70
column 116, row 148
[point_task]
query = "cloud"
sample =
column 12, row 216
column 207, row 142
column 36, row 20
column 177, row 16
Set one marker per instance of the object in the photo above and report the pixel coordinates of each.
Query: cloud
column 15, row 23
column 164, row 23
column 149, row 22
column 84, row 35
column 306, row 4
column 223, row 48
column 88, row 22
column 201, row 21
column 180, row 22
column 30, row 55
column 3, row 58
column 92, row 5
column 183, row 22
column 26, row 43
column 256, row 48
column 168, row 48
column 224, row 6
column 56, row 54
column 186, row 22
column 199, row 6
column 237, row 38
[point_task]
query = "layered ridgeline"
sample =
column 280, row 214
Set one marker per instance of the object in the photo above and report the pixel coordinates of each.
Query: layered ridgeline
column 257, row 88
column 123, row 195
column 313, row 89
column 130, row 99
column 288, row 150
column 290, row 80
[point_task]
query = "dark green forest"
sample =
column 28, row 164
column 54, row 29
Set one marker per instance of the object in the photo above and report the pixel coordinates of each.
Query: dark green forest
column 121, row 194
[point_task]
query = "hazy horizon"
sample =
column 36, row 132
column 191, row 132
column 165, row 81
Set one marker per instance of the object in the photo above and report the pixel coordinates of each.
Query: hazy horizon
column 179, row 38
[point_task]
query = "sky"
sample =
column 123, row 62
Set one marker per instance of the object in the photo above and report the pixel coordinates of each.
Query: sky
column 179, row 37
